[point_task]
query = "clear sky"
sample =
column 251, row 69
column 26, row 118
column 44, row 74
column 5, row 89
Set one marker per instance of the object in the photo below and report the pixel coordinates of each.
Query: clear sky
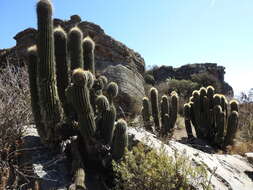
column 164, row 32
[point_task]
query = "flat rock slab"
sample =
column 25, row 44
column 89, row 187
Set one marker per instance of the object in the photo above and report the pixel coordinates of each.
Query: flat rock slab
column 229, row 172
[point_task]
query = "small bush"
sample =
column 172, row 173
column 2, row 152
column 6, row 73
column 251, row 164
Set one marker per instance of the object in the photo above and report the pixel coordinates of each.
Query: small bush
column 144, row 169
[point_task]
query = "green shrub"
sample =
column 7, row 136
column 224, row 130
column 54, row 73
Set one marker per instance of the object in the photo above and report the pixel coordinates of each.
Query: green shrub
column 184, row 88
column 205, row 79
column 144, row 169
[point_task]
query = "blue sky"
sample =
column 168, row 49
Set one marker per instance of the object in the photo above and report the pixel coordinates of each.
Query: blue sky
column 164, row 32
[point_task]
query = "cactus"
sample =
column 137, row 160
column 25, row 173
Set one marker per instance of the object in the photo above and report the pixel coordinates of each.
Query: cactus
column 81, row 103
column 146, row 110
column 120, row 140
column 155, row 108
column 208, row 113
column 166, row 118
column 75, row 37
column 48, row 97
column 32, row 70
column 88, row 54
column 62, row 67
column 51, row 90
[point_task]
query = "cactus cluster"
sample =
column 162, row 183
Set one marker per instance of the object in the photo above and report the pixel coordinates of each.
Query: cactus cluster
column 163, row 118
column 66, row 95
column 208, row 113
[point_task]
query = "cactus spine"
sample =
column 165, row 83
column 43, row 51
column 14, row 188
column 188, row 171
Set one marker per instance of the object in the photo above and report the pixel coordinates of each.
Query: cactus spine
column 49, row 100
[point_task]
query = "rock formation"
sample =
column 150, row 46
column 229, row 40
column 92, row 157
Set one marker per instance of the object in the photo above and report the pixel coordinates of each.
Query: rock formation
column 184, row 72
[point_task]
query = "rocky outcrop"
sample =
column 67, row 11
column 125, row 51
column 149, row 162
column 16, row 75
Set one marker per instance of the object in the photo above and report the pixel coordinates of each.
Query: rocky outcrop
column 108, row 51
column 186, row 71
column 131, row 89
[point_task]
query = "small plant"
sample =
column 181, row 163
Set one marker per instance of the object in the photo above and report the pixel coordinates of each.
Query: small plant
column 144, row 169
column 164, row 117
column 209, row 114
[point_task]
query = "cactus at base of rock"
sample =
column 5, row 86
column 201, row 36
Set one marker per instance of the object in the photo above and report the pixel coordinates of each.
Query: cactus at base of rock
column 75, row 37
column 187, row 120
column 155, row 109
column 208, row 113
column 166, row 118
column 51, row 110
column 62, row 66
column 81, row 103
column 32, row 70
column 146, row 110
column 112, row 91
column 88, row 54
column 120, row 139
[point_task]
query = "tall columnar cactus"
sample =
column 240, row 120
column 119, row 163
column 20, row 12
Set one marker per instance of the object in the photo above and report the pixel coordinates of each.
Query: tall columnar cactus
column 48, row 97
column 208, row 113
column 120, row 140
column 112, row 91
column 166, row 118
column 155, row 108
column 88, row 54
column 75, row 37
column 32, row 70
column 62, row 66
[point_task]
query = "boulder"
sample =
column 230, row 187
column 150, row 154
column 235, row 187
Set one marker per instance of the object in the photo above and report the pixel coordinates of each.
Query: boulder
column 131, row 89
column 226, row 172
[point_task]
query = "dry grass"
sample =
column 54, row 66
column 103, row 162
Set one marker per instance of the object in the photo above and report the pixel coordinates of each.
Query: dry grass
column 15, row 112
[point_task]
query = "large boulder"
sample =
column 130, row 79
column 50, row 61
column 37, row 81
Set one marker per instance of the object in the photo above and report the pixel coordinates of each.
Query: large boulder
column 131, row 89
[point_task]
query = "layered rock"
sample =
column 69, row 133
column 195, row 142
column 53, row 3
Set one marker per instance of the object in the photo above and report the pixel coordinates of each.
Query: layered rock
column 108, row 51
column 186, row 71
column 131, row 89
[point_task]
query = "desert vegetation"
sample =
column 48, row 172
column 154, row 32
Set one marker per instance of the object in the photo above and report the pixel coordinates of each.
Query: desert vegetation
column 61, row 93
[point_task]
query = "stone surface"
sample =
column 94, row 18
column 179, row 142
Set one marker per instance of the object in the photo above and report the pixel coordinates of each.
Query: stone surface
column 184, row 72
column 131, row 89
column 232, row 172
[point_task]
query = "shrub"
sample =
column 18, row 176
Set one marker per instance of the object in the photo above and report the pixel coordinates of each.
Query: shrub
column 205, row 79
column 15, row 112
column 184, row 88
column 144, row 169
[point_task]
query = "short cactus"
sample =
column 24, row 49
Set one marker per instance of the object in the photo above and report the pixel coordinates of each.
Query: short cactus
column 75, row 37
column 208, row 113
column 120, row 140
column 88, row 54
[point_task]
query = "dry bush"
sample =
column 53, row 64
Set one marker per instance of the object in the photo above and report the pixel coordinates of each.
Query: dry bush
column 15, row 112
column 144, row 169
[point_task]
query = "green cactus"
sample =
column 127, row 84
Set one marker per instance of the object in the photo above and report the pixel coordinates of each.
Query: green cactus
column 234, row 105
column 120, row 139
column 187, row 120
column 155, row 108
column 208, row 113
column 88, row 55
column 62, row 66
column 75, row 37
column 48, row 97
column 173, row 110
column 102, row 103
column 32, row 70
column 81, row 103
column 112, row 91
column 146, row 109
